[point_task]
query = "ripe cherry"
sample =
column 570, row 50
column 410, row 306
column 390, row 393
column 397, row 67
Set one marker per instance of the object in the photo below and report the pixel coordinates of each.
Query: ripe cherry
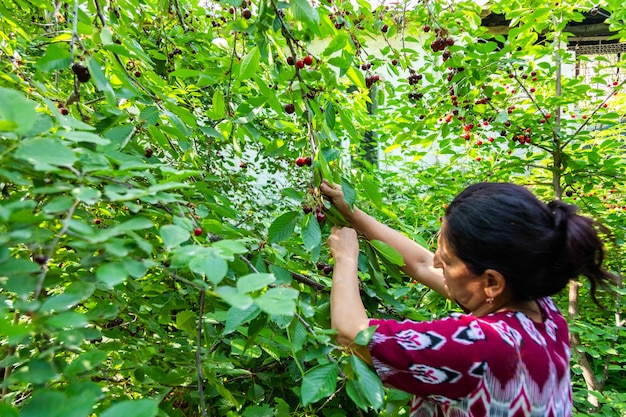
column 299, row 64
column 64, row 111
column 308, row 60
column 300, row 161
column 290, row 108
column 197, row 231
column 321, row 217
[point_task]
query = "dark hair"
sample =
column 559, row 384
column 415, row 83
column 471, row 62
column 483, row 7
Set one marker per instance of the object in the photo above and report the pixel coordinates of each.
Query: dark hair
column 537, row 247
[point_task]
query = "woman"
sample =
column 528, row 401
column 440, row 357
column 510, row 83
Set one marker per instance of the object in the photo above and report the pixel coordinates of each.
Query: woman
column 501, row 254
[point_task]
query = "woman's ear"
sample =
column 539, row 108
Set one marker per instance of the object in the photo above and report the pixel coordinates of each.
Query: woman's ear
column 494, row 283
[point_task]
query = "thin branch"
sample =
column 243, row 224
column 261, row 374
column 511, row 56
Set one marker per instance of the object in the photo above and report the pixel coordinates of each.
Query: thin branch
column 199, row 353
column 99, row 13
column 179, row 13
column 52, row 247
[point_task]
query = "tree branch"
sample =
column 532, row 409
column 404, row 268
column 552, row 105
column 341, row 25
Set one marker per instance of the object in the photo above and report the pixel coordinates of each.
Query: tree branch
column 199, row 354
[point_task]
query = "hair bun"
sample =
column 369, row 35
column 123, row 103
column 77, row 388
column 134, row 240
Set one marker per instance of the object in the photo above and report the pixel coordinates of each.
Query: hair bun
column 561, row 213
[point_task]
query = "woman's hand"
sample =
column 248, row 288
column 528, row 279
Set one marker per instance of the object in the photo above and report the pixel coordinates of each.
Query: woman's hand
column 344, row 245
column 335, row 195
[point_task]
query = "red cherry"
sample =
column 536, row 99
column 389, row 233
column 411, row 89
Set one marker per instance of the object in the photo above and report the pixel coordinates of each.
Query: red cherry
column 548, row 115
column 426, row 28
column 299, row 64
column 97, row 221
column 321, row 217
column 290, row 108
column 300, row 161
column 308, row 60
column 197, row 231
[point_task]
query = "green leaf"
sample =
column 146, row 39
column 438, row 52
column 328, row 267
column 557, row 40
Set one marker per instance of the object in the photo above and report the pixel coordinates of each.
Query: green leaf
column 85, row 362
column 356, row 394
column 7, row 411
column 250, row 64
column 373, row 191
column 36, row 372
column 84, row 137
column 101, row 81
column 87, row 195
column 111, row 274
column 282, row 227
column 209, row 264
column 56, row 57
column 337, row 43
column 17, row 113
column 318, row 383
column 364, row 336
column 173, row 235
column 234, row 297
column 254, row 282
column 186, row 320
column 48, row 403
column 58, row 204
column 387, row 252
column 67, row 320
column 311, row 232
column 60, row 302
column 218, row 106
column 236, row 317
column 279, row 301
column 307, row 14
column 349, row 193
column 368, row 382
column 228, row 247
column 45, row 154
column 139, row 408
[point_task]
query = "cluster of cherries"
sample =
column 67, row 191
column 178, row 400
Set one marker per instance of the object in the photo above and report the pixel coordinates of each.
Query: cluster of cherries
column 300, row 63
column 319, row 212
column 324, row 267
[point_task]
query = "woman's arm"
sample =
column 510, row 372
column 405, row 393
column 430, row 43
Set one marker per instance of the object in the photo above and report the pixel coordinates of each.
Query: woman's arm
column 347, row 312
column 418, row 261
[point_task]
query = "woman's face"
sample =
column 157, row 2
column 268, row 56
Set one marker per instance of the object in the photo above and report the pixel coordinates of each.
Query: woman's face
column 462, row 285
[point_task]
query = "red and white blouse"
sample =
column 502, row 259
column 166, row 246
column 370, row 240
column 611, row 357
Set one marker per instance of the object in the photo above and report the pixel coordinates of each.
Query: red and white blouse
column 500, row 365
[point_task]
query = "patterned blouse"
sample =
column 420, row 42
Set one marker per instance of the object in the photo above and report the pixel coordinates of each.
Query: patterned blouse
column 499, row 365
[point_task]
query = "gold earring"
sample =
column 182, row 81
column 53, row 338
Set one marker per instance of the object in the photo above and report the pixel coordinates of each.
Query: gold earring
column 489, row 300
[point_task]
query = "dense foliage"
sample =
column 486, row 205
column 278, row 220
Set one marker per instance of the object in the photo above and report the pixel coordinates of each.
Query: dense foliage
column 161, row 234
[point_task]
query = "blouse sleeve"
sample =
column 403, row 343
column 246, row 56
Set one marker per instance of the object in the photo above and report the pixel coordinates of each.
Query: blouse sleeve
column 437, row 358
